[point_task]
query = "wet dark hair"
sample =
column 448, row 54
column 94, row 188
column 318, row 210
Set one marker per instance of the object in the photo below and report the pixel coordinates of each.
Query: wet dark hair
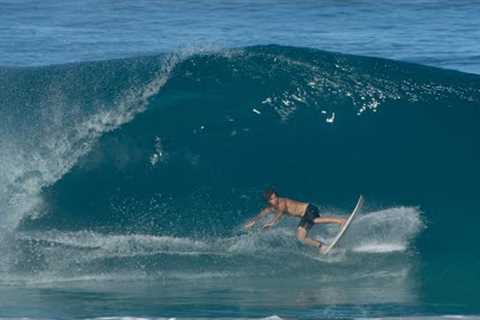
column 268, row 193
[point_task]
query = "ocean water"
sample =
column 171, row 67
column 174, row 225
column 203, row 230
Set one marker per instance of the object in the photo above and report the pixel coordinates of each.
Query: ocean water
column 136, row 139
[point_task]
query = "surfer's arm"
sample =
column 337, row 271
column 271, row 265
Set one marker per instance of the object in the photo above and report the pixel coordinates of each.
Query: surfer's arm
column 259, row 216
column 278, row 216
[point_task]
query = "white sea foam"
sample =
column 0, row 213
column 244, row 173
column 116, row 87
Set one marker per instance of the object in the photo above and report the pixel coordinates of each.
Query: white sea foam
column 85, row 256
column 387, row 230
column 104, row 245
column 383, row 231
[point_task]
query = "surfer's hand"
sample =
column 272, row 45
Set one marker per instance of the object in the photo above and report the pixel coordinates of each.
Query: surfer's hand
column 323, row 248
column 248, row 225
column 268, row 226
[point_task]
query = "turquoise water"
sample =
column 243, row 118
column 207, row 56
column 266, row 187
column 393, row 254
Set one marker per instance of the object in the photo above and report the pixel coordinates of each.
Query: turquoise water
column 138, row 174
column 124, row 183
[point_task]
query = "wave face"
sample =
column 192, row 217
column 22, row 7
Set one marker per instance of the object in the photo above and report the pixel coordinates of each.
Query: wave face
column 147, row 167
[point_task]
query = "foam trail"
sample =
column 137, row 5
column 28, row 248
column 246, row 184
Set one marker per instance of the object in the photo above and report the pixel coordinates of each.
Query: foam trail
column 145, row 256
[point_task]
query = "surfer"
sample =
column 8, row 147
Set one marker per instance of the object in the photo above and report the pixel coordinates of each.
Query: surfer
column 307, row 212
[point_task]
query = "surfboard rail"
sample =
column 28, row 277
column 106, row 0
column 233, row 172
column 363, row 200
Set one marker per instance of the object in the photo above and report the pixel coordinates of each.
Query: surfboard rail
column 345, row 227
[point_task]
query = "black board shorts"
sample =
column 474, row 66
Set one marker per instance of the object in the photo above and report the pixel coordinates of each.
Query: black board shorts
column 311, row 213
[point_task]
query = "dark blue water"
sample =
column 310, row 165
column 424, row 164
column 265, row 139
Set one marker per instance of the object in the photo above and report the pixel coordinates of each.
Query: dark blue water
column 124, row 181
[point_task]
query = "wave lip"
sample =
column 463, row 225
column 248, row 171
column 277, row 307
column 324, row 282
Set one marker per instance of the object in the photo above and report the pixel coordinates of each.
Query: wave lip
column 36, row 156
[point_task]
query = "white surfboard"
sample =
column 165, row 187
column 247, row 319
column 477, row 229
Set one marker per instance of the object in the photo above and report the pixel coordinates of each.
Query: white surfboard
column 358, row 207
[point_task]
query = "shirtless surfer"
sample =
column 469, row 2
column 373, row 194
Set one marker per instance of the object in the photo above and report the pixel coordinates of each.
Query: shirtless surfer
column 307, row 212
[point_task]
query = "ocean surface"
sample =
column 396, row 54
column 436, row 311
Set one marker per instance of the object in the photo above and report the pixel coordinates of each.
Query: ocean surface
column 136, row 139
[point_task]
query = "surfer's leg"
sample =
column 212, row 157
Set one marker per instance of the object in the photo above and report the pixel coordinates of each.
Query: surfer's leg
column 329, row 219
column 302, row 235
